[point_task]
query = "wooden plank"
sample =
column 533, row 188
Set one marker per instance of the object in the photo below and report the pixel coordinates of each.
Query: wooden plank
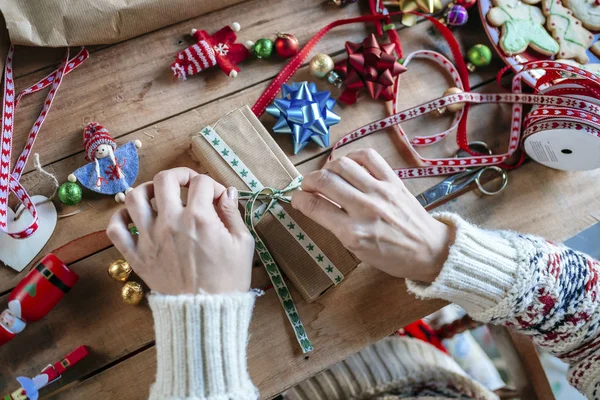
column 363, row 310
column 527, row 372
column 166, row 145
column 127, row 89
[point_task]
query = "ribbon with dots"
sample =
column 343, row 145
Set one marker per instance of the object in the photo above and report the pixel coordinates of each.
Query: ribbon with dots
column 9, row 182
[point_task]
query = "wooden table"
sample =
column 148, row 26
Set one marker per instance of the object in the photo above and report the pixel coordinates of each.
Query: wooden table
column 128, row 88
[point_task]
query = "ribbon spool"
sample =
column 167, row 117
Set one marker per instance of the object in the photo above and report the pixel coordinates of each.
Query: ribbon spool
column 564, row 138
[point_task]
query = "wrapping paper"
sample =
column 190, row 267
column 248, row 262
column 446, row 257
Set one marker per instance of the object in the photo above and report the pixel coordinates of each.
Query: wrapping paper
column 246, row 136
column 57, row 23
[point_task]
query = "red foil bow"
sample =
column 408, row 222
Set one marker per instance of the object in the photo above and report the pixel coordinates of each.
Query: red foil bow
column 369, row 65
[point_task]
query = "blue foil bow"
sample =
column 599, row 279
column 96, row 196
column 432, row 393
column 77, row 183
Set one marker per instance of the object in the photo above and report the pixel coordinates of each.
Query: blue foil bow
column 304, row 113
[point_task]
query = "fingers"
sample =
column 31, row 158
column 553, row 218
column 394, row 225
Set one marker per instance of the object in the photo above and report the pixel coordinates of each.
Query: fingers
column 374, row 163
column 332, row 186
column 320, row 210
column 203, row 191
column 119, row 235
column 227, row 208
column 139, row 207
column 352, row 172
column 167, row 188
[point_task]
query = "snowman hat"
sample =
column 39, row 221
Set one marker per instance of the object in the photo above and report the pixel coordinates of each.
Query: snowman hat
column 94, row 135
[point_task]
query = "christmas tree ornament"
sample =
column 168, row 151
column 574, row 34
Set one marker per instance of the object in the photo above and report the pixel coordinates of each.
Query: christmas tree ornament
column 320, row 65
column 219, row 49
column 456, row 15
column 262, row 48
column 479, row 55
column 466, row 3
column 304, row 113
column 133, row 229
column 119, row 270
column 286, row 45
column 35, row 296
column 70, row 193
column 30, row 387
column 132, row 293
column 112, row 170
column 369, row 66
column 452, row 107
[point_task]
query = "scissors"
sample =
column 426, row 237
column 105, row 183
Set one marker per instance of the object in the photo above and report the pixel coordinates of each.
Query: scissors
column 458, row 182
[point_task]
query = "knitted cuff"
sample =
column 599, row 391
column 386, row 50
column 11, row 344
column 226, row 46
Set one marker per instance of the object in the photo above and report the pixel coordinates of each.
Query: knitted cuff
column 481, row 269
column 201, row 346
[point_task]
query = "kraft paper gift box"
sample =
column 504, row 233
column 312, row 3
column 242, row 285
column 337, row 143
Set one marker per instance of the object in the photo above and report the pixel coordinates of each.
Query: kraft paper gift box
column 247, row 137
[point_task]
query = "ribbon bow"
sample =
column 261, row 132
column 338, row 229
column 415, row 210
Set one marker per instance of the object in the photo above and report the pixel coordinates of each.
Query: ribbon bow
column 269, row 194
column 304, row 113
column 371, row 66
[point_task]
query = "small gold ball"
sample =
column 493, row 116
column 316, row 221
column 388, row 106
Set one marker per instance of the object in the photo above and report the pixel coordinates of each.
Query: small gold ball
column 321, row 65
column 132, row 293
column 454, row 107
column 119, row 270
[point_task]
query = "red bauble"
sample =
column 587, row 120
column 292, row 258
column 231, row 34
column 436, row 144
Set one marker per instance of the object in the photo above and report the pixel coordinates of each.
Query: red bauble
column 286, row 45
column 465, row 3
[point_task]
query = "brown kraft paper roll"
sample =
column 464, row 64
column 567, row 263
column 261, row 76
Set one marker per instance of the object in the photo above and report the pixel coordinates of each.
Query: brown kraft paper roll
column 247, row 137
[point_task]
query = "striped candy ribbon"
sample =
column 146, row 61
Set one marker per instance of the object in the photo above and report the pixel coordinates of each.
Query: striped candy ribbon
column 258, row 201
column 9, row 182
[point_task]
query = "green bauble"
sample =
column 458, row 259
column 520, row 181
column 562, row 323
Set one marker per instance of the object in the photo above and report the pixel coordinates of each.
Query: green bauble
column 480, row 55
column 69, row 193
column 263, row 48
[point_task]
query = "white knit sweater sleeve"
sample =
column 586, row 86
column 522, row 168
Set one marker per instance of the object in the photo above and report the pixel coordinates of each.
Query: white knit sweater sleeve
column 544, row 290
column 201, row 346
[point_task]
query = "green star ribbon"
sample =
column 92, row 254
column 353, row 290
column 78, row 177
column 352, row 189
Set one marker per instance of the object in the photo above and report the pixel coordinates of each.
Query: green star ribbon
column 259, row 200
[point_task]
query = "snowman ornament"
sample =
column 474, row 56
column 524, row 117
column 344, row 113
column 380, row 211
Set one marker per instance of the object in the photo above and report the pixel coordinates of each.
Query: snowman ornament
column 111, row 170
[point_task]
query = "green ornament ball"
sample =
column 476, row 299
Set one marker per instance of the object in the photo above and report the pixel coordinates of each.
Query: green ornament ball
column 69, row 193
column 480, row 55
column 263, row 48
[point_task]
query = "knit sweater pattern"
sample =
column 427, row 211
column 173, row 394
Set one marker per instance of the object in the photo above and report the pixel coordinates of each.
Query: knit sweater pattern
column 543, row 290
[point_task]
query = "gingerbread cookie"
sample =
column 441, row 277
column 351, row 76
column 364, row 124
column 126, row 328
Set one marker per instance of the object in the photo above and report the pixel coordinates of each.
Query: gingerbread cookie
column 522, row 27
column 571, row 36
column 588, row 11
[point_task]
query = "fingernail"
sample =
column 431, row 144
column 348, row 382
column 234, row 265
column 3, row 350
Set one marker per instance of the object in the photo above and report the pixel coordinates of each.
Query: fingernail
column 232, row 193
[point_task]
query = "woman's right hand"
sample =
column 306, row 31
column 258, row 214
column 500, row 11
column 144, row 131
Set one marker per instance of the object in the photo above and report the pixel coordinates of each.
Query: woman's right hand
column 365, row 204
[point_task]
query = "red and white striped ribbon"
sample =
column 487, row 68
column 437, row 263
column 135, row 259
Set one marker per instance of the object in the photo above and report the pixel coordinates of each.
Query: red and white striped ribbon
column 9, row 182
column 582, row 109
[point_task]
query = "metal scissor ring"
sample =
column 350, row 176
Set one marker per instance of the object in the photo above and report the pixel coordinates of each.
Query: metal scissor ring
column 502, row 174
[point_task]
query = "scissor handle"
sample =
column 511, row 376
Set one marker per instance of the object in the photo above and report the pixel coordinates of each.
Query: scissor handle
column 499, row 171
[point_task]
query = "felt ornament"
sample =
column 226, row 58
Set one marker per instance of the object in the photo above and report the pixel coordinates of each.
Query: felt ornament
column 209, row 50
column 111, row 170
column 369, row 66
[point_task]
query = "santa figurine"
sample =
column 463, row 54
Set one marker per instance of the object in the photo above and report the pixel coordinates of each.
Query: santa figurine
column 36, row 295
column 30, row 387
column 209, row 50
column 111, row 170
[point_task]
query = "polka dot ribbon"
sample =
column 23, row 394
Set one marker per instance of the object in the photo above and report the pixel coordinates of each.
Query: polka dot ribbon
column 9, row 182
column 258, row 201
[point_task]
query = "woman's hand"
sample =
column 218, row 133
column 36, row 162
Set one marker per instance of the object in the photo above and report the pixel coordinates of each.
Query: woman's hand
column 375, row 216
column 203, row 245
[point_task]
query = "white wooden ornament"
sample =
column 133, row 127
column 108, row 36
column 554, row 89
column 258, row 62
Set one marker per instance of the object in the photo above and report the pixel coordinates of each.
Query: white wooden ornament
column 18, row 253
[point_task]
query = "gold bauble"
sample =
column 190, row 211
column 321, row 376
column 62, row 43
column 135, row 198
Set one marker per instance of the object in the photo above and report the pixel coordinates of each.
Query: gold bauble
column 119, row 270
column 132, row 293
column 454, row 107
column 321, row 65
